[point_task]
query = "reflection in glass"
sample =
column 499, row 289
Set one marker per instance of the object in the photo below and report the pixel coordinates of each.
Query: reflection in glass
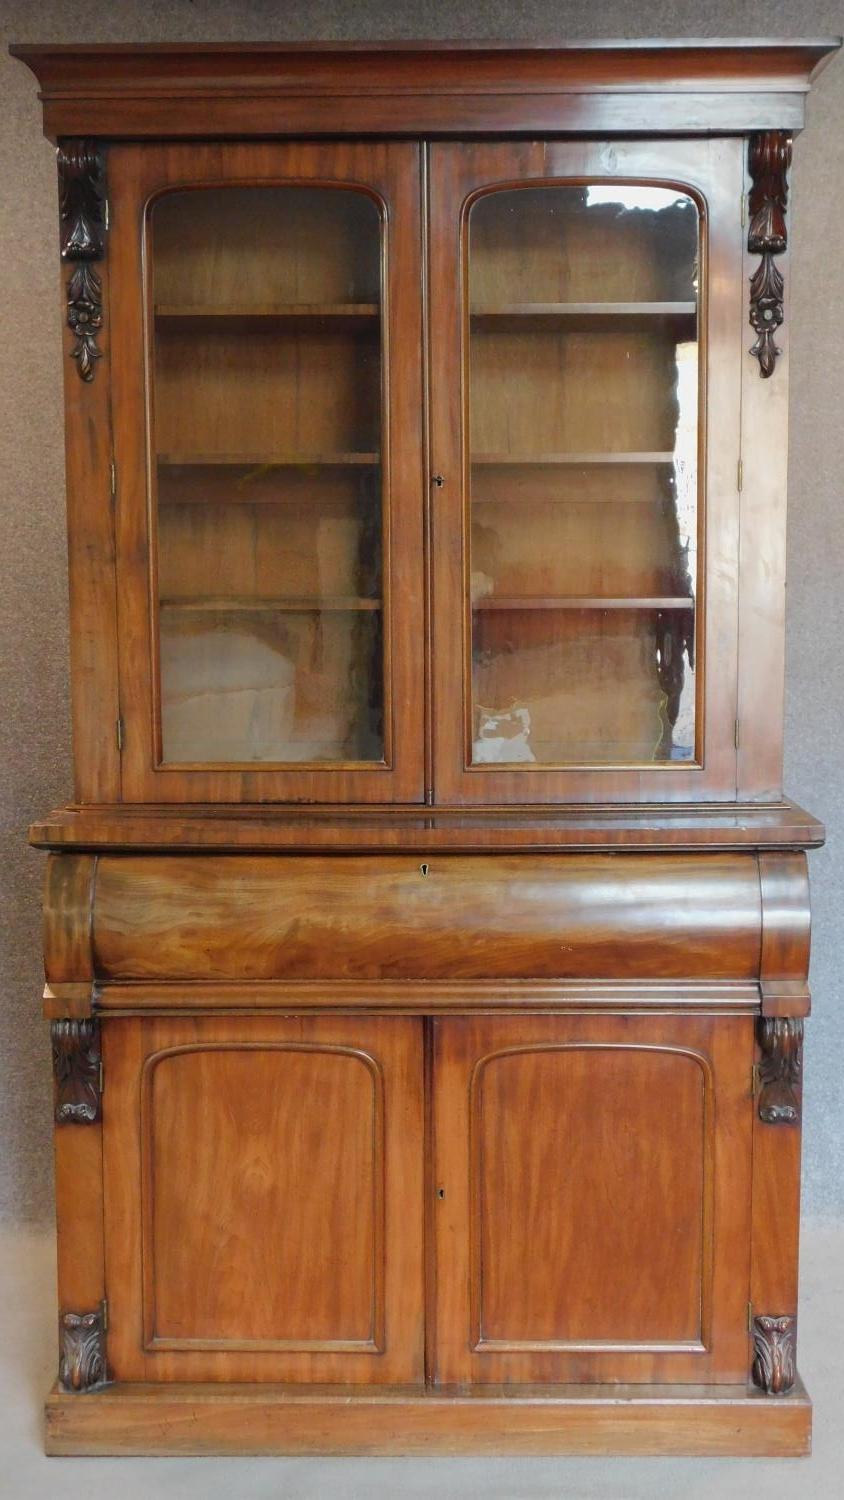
column 266, row 431
column 583, row 424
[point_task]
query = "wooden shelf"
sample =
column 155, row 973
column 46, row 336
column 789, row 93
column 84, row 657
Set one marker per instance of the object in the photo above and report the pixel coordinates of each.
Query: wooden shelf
column 337, row 604
column 516, row 460
column 338, row 311
column 267, row 460
column 585, row 601
column 589, row 312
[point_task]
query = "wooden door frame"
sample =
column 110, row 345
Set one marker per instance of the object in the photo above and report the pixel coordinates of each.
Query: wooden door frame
column 712, row 170
column 390, row 173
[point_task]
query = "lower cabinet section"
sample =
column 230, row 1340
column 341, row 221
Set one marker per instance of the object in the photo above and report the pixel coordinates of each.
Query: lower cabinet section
column 264, row 1199
column 588, row 1182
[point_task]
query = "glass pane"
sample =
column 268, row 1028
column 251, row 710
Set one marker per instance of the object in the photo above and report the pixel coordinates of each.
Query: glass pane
column 266, row 434
column 583, row 432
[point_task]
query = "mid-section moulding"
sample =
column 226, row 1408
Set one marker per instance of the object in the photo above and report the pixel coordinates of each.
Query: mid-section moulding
column 663, row 926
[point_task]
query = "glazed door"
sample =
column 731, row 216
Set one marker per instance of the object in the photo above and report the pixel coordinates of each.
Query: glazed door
column 586, row 343
column 265, row 327
column 592, row 1206
column 263, row 1199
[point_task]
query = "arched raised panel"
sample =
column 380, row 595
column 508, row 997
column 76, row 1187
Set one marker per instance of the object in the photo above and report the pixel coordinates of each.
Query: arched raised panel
column 247, row 1226
column 594, row 1172
column 625, row 1141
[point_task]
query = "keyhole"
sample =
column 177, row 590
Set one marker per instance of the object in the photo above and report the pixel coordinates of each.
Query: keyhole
column 423, row 869
column 440, row 1192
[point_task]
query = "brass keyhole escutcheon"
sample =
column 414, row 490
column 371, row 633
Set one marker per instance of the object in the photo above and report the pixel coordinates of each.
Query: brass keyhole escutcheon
column 423, row 869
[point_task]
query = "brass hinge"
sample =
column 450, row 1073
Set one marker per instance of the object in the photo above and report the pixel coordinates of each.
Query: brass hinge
column 118, row 727
column 740, row 476
column 101, row 1078
column 736, row 733
column 743, row 201
column 113, row 479
column 750, row 1317
column 104, row 1312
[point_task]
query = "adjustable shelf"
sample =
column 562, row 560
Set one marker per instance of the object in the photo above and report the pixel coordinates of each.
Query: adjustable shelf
column 266, row 460
column 246, row 605
column 592, row 315
column 585, row 601
column 279, row 311
column 517, row 460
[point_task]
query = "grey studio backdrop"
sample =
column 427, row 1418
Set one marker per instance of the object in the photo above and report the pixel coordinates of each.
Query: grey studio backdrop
column 35, row 772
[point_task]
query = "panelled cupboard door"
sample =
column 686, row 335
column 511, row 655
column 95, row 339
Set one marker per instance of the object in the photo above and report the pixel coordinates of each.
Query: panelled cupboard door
column 586, row 338
column 263, row 1199
column 592, row 1198
column 265, row 336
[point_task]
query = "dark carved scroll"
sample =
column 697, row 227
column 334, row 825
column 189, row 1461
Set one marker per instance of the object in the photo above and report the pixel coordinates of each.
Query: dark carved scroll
column 774, row 1349
column 82, row 1354
column 82, row 229
column 77, row 1071
column 770, row 159
column 780, row 1069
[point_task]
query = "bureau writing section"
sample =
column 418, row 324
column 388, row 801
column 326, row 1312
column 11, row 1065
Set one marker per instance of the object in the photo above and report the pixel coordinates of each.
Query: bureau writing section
column 266, row 371
column 586, row 307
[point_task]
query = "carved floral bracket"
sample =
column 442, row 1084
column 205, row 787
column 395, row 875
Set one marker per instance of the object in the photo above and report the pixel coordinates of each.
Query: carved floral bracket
column 774, row 1350
column 780, row 1069
column 769, row 161
column 82, row 1350
column 77, row 1071
column 82, row 215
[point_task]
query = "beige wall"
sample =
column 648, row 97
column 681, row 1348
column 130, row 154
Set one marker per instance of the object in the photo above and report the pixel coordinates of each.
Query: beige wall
column 34, row 761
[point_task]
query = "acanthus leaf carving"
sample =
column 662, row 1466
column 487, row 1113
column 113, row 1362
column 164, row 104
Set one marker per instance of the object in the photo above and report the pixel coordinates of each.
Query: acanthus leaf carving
column 774, row 1353
column 82, row 1351
column 77, row 1070
column 769, row 161
column 780, row 1069
column 82, row 215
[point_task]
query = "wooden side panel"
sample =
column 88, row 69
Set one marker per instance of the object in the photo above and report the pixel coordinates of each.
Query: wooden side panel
column 764, row 422
column 240, row 918
column 90, row 511
column 294, row 1248
column 80, row 1250
column 593, row 1198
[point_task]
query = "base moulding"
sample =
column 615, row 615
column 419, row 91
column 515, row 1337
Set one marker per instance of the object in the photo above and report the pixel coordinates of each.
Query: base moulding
column 216, row 1420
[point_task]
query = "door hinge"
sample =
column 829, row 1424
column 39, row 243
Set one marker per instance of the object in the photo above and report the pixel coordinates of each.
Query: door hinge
column 113, row 479
column 740, row 476
column 736, row 733
column 743, row 202
column 118, row 728
column 750, row 1317
column 101, row 1079
column 104, row 1313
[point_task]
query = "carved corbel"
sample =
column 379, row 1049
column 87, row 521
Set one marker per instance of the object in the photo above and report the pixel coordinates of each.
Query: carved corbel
column 77, row 1071
column 82, row 216
column 774, row 1349
column 769, row 161
column 780, row 1069
column 82, row 1350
